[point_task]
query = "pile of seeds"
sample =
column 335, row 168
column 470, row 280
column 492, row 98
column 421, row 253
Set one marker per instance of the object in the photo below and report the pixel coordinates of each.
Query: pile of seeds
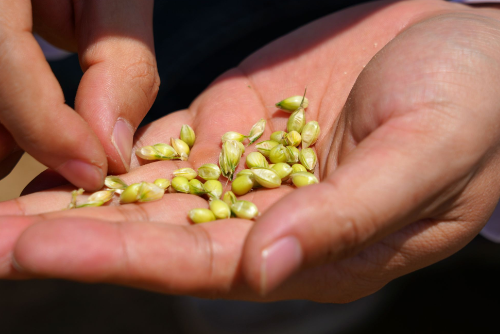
column 286, row 164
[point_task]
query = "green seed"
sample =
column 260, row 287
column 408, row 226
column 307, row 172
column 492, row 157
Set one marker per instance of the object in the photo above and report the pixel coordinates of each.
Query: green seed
column 278, row 154
column 242, row 185
column 130, row 194
column 199, row 216
column 232, row 135
column 187, row 135
column 283, row 170
column 264, row 147
column 97, row 199
column 296, row 121
column 293, row 103
column 245, row 209
column 302, row 179
column 229, row 158
column 166, row 151
column 90, row 204
column 220, row 209
column 246, row 172
column 162, row 183
column 180, row 147
column 209, row 172
column 157, row 152
column 308, row 158
column 213, row 188
column 114, row 182
column 149, row 192
column 196, row 187
column 266, row 177
column 229, row 198
column 292, row 155
column 298, row 168
column 256, row 159
column 279, row 137
column 180, row 184
column 257, row 131
column 293, row 138
column 188, row 173
column 310, row 134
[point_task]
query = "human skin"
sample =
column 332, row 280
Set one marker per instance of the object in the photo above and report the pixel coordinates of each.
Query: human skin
column 405, row 96
column 114, row 41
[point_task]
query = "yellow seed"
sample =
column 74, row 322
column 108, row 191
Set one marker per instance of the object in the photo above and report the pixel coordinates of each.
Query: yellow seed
column 292, row 154
column 180, row 147
column 232, row 135
column 293, row 138
column 264, row 147
column 213, row 188
column 101, row 196
column 149, row 192
column 293, row 103
column 298, row 168
column 308, row 158
column 256, row 159
column 247, row 172
column 245, row 209
column 187, row 135
column 220, row 209
column 279, row 137
column 166, row 151
column 188, row 173
column 302, row 179
column 278, row 154
column 180, row 184
column 196, row 187
column 209, row 172
column 257, row 131
column 229, row 158
column 242, row 185
column 283, row 170
column 229, row 197
column 296, row 121
column 266, row 177
column 199, row 216
column 310, row 134
column 114, row 182
column 130, row 194
column 162, row 183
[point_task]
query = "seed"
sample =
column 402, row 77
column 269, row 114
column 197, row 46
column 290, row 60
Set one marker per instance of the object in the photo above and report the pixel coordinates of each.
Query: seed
column 293, row 103
column 157, row 152
column 229, row 198
column 229, row 158
column 209, row 172
column 256, row 131
column 247, row 172
column 149, row 192
column 90, row 204
column 101, row 196
column 293, row 138
column 196, row 187
column 188, row 173
column 114, row 182
column 264, row 147
column 241, row 146
column 74, row 195
column 180, row 184
column 292, row 155
column 296, row 121
column 310, row 134
column 283, row 170
column 199, row 216
column 213, row 188
column 220, row 209
column 279, row 137
column 130, row 194
column 298, row 168
column 162, row 183
column 266, row 177
column 301, row 179
column 242, row 185
column 180, row 147
column 245, row 209
column 187, row 135
column 308, row 158
column 256, row 159
column 278, row 154
column 166, row 151
column 232, row 135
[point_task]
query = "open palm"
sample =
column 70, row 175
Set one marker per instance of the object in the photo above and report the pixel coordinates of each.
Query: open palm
column 407, row 171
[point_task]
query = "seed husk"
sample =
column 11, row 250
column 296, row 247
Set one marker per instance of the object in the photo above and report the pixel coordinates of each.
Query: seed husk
column 293, row 103
column 213, row 188
column 298, row 168
column 278, row 154
column 232, row 135
column 188, row 173
column 114, row 182
column 241, row 146
column 264, row 147
column 242, row 185
column 246, row 171
column 196, row 187
column 302, row 179
column 266, row 177
column 74, row 195
column 292, row 155
column 187, row 135
column 296, row 121
column 180, row 147
column 220, row 209
column 283, row 170
column 245, row 209
column 101, row 196
column 279, row 137
column 180, row 184
column 293, row 138
column 157, row 152
column 310, row 134
column 308, row 158
column 256, row 131
column 209, row 172
column 229, row 198
column 199, row 216
column 229, row 158
column 90, row 204
column 162, row 183
column 256, row 159
column 149, row 192
column 130, row 194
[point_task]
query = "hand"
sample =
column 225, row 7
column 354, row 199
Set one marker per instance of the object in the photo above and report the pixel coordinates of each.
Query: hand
column 408, row 160
column 114, row 41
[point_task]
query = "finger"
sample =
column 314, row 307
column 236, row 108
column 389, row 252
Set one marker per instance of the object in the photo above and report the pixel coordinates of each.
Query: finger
column 394, row 166
column 120, row 83
column 32, row 105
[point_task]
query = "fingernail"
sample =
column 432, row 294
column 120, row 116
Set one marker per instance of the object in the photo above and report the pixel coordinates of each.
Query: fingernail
column 278, row 261
column 16, row 265
column 122, row 140
column 82, row 174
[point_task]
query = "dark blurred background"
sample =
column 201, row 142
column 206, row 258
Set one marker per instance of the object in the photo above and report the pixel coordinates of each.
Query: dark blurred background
column 195, row 42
